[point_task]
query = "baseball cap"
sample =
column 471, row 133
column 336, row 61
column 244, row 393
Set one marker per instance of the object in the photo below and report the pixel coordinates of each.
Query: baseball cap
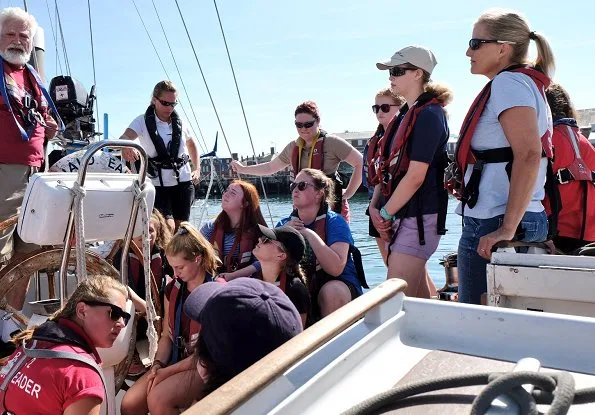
column 415, row 55
column 294, row 242
column 242, row 321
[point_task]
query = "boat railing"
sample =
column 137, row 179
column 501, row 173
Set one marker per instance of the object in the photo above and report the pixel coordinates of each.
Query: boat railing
column 239, row 389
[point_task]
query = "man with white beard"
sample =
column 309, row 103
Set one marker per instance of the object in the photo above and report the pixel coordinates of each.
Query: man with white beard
column 25, row 122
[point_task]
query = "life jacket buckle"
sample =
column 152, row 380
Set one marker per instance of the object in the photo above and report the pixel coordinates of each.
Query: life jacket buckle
column 560, row 178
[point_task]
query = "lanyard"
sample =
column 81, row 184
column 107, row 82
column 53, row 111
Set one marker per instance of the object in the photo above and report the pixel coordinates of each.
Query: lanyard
column 26, row 135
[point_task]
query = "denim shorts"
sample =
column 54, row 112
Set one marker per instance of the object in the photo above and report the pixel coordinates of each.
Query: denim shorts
column 406, row 240
column 472, row 267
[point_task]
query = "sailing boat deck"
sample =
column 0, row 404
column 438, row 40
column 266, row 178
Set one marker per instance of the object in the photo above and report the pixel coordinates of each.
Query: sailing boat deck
column 390, row 343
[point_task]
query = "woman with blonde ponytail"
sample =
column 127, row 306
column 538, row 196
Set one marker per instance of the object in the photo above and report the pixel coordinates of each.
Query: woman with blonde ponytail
column 504, row 145
column 170, row 383
column 92, row 317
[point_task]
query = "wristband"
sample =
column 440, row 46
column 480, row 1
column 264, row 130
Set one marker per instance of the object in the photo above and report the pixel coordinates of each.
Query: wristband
column 386, row 215
column 158, row 362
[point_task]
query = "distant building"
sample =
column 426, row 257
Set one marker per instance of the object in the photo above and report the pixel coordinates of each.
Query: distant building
column 586, row 117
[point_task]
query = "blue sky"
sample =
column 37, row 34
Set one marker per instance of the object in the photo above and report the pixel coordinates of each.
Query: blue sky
column 287, row 52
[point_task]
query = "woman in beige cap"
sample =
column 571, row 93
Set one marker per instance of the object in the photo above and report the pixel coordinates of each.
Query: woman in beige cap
column 409, row 203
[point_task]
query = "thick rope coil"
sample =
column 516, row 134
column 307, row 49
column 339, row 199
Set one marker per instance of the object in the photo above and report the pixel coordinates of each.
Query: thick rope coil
column 140, row 193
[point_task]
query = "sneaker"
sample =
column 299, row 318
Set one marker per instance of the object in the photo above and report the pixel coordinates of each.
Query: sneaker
column 136, row 369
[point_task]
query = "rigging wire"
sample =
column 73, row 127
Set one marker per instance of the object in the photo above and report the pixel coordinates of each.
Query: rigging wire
column 205, row 150
column 264, row 192
column 33, row 54
column 93, row 62
column 66, row 61
column 54, row 36
column 203, row 77
column 179, row 74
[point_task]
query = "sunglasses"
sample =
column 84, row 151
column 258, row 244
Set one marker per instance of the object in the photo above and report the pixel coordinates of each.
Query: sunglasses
column 475, row 44
column 266, row 240
column 382, row 107
column 301, row 186
column 400, row 70
column 306, row 124
column 115, row 312
column 167, row 103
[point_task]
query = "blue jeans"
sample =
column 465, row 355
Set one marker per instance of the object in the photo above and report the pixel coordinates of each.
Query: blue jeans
column 472, row 267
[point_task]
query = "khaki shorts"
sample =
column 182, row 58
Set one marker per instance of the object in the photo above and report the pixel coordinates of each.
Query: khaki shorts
column 13, row 182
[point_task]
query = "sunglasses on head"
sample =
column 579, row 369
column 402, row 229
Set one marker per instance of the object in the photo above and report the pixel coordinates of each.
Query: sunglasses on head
column 115, row 311
column 382, row 107
column 475, row 44
column 400, row 70
column 167, row 103
column 306, row 124
column 301, row 186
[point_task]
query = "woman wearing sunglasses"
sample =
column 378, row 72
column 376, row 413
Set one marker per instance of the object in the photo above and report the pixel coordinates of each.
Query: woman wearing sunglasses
column 234, row 232
column 92, row 317
column 408, row 171
column 331, row 273
column 170, row 383
column 279, row 252
column 315, row 149
column 507, row 133
column 170, row 148
column 386, row 107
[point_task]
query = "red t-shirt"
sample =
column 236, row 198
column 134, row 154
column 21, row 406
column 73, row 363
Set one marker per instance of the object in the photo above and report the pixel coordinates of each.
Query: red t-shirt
column 49, row 386
column 13, row 150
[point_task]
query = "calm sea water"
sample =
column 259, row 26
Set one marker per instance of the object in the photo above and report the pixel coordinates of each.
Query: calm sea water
column 280, row 207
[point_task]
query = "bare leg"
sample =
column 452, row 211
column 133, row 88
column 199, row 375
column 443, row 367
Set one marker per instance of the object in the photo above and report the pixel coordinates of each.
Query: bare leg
column 427, row 289
column 135, row 400
column 383, row 249
column 175, row 393
column 409, row 268
column 332, row 296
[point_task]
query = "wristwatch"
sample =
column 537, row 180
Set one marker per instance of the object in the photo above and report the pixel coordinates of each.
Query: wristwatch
column 386, row 215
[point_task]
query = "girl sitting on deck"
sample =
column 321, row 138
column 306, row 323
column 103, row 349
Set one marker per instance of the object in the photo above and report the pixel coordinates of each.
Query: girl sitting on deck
column 279, row 252
column 332, row 276
column 92, row 317
column 171, row 384
column 234, row 233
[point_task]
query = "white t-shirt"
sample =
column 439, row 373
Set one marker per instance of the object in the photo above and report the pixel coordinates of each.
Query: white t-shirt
column 164, row 129
column 509, row 89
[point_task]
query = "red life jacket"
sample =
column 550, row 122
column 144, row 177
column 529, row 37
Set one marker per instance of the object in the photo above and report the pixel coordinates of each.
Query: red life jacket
column 376, row 141
column 463, row 153
column 185, row 339
column 136, row 277
column 247, row 242
column 576, row 181
column 391, row 169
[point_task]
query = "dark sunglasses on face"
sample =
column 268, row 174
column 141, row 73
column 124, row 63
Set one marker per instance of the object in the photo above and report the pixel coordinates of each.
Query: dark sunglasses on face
column 306, row 124
column 167, row 103
column 301, row 186
column 400, row 70
column 115, row 311
column 266, row 240
column 475, row 44
column 382, row 107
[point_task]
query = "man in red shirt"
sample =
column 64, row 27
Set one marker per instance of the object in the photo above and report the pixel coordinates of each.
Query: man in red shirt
column 25, row 122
